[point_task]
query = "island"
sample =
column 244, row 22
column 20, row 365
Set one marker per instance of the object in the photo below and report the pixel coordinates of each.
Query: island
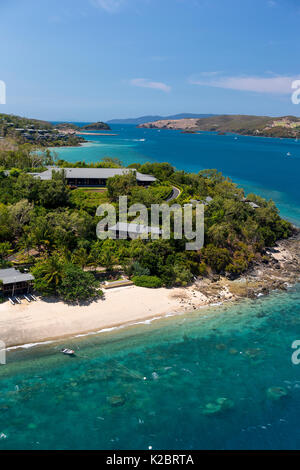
column 96, row 126
column 264, row 126
column 52, row 261
column 73, row 129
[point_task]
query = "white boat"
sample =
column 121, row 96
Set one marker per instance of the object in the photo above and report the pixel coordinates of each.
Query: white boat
column 288, row 154
column 68, row 352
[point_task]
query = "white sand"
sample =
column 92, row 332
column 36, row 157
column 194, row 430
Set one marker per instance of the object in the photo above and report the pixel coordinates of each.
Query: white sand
column 41, row 321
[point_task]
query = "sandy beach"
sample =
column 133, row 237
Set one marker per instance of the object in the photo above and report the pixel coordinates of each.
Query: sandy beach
column 95, row 133
column 51, row 319
column 45, row 320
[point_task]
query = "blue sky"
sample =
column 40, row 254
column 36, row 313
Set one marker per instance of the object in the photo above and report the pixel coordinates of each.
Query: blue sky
column 87, row 60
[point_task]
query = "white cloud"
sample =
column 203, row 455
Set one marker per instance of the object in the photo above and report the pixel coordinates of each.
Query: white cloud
column 276, row 84
column 146, row 83
column 111, row 6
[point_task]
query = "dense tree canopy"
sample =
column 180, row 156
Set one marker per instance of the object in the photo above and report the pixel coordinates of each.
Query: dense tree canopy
column 54, row 229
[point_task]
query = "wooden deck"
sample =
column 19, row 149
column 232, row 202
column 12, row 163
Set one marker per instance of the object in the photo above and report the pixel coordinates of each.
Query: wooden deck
column 113, row 284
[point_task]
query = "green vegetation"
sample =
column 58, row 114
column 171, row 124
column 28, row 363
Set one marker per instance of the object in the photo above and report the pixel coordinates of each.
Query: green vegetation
column 147, row 281
column 67, row 125
column 96, row 126
column 148, row 196
column 106, row 162
column 23, row 156
column 10, row 120
column 120, row 185
column 53, row 230
column 35, row 132
column 53, row 276
column 240, row 124
column 88, row 199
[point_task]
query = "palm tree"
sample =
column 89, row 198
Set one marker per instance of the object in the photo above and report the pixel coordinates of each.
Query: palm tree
column 80, row 257
column 53, row 270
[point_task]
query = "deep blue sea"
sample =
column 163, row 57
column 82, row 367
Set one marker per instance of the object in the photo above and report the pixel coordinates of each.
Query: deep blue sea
column 220, row 378
column 259, row 164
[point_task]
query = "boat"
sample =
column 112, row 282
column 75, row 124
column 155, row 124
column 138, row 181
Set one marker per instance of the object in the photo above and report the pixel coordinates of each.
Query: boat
column 288, row 154
column 68, row 352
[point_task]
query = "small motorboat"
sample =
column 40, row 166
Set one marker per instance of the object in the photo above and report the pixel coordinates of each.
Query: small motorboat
column 288, row 154
column 68, row 352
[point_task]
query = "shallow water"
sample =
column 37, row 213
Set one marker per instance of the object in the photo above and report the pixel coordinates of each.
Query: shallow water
column 100, row 400
column 208, row 373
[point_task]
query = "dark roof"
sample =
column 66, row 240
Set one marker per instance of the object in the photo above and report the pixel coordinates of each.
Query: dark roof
column 12, row 275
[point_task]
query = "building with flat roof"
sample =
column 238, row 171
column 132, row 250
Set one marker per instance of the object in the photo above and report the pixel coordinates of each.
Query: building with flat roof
column 132, row 230
column 13, row 282
column 94, row 176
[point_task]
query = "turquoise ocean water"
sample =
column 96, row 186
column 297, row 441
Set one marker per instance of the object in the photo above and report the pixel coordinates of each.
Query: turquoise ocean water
column 213, row 377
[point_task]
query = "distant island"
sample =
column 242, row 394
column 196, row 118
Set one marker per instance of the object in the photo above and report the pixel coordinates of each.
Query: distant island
column 146, row 119
column 282, row 127
column 96, row 126
column 93, row 126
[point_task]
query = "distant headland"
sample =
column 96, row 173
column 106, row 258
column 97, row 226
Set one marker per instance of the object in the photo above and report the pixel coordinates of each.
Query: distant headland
column 282, row 127
column 146, row 119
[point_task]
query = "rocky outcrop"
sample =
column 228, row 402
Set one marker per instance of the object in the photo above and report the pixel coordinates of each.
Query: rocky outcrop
column 183, row 124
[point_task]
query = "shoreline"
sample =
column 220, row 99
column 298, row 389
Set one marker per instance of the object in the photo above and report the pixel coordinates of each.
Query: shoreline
column 95, row 133
column 109, row 329
column 47, row 320
column 53, row 320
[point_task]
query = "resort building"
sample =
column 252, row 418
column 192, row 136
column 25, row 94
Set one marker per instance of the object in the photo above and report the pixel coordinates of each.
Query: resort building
column 94, row 176
column 13, row 282
column 131, row 230
column 250, row 203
